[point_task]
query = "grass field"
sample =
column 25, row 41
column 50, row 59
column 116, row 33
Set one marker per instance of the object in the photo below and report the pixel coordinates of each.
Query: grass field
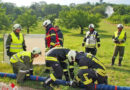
column 73, row 40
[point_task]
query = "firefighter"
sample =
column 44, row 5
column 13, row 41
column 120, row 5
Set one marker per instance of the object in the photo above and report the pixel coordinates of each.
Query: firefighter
column 15, row 41
column 51, row 40
column 22, row 63
column 119, row 39
column 60, row 35
column 90, row 40
column 91, row 69
column 57, row 59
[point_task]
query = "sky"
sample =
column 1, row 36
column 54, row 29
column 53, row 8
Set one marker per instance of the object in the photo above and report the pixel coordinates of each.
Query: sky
column 64, row 2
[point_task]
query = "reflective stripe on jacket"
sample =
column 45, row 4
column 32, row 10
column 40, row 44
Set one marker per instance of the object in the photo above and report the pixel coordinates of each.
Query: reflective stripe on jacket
column 18, row 57
column 16, row 44
column 120, row 37
column 48, row 38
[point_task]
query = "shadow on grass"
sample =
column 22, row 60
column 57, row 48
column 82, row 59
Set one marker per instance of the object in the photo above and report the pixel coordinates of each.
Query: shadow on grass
column 78, row 35
column 101, row 31
column 65, row 30
column 105, row 36
column 121, row 69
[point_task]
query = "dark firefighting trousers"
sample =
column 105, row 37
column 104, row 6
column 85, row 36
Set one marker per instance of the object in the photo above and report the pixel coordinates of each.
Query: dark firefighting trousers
column 87, row 77
column 91, row 50
column 120, row 50
column 58, row 72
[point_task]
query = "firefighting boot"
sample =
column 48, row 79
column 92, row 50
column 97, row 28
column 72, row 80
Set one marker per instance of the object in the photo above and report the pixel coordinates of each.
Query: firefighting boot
column 120, row 60
column 47, row 83
column 113, row 61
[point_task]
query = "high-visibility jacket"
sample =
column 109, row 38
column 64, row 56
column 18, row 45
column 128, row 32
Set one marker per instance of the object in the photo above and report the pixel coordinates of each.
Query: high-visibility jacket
column 18, row 57
column 16, row 44
column 91, row 39
column 120, row 38
column 48, row 38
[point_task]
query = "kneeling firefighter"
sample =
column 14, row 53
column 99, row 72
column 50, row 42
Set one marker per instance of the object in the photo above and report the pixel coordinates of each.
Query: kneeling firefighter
column 22, row 63
column 90, row 69
column 57, row 59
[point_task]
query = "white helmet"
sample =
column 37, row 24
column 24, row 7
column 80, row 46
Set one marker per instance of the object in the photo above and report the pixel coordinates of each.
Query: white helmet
column 36, row 50
column 119, row 25
column 91, row 26
column 17, row 26
column 71, row 55
column 46, row 22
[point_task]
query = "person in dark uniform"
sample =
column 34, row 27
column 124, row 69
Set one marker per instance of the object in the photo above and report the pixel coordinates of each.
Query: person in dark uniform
column 91, row 69
column 15, row 41
column 57, row 59
column 119, row 39
column 91, row 40
column 60, row 35
column 51, row 40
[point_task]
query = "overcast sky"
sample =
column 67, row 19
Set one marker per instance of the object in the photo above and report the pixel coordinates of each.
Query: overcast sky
column 63, row 2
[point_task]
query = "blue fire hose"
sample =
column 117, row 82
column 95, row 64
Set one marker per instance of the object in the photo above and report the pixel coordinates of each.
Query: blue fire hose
column 63, row 82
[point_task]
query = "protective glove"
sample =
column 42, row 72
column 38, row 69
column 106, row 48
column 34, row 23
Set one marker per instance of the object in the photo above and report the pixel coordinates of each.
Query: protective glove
column 8, row 52
column 27, row 75
column 116, row 41
column 98, row 45
column 122, row 41
column 82, row 44
column 74, row 84
column 24, row 48
column 31, row 72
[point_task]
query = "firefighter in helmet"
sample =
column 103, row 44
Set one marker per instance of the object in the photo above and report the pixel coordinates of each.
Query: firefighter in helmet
column 119, row 39
column 22, row 63
column 15, row 41
column 91, row 39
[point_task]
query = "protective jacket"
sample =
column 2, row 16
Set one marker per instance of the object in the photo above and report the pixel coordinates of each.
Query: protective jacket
column 15, row 43
column 60, row 55
column 119, row 37
column 91, row 39
column 52, row 39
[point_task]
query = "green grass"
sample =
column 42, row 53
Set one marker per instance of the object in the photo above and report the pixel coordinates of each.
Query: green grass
column 73, row 40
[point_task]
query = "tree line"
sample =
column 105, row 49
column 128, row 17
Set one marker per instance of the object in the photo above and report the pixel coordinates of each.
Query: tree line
column 72, row 16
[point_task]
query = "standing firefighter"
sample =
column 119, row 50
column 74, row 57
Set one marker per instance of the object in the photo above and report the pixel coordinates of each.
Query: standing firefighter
column 90, row 40
column 22, row 63
column 51, row 40
column 119, row 39
column 15, row 42
column 57, row 59
column 60, row 35
column 91, row 69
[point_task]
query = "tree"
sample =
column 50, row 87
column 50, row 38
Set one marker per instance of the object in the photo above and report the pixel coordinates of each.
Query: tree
column 78, row 18
column 27, row 20
column 4, row 20
column 52, row 9
column 51, row 17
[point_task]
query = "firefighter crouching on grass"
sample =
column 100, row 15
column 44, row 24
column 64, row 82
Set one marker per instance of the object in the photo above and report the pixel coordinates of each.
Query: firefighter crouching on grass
column 15, row 41
column 91, row 39
column 90, row 69
column 22, row 63
column 51, row 40
column 57, row 59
